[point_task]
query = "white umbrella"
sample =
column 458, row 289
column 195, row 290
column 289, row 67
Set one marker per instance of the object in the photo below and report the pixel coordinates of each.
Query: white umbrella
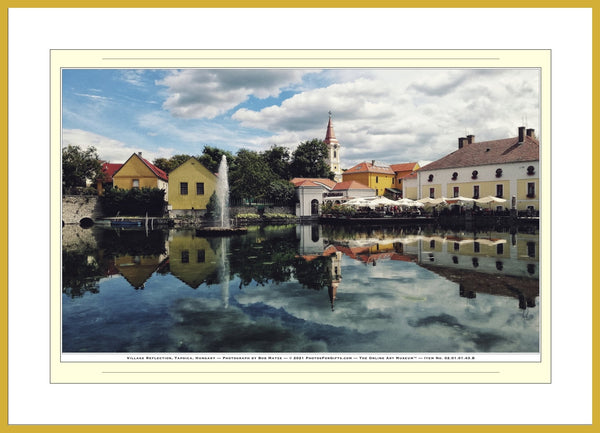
column 490, row 199
column 408, row 202
column 383, row 201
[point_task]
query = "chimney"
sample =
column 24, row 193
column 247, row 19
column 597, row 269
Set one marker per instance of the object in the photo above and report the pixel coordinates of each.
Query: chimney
column 531, row 132
column 140, row 153
column 461, row 142
column 372, row 162
column 521, row 134
column 470, row 139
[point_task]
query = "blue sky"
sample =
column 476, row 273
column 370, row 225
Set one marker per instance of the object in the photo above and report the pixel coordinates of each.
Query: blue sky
column 387, row 115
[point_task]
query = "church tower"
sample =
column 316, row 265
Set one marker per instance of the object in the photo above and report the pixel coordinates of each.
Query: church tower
column 333, row 146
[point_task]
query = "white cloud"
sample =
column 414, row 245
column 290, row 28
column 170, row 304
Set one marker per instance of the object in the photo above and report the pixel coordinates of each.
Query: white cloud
column 202, row 93
column 405, row 115
column 109, row 149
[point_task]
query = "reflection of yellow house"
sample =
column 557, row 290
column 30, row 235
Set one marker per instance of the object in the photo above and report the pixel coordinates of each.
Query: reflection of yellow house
column 191, row 258
column 192, row 184
column 138, row 172
column 377, row 177
column 137, row 269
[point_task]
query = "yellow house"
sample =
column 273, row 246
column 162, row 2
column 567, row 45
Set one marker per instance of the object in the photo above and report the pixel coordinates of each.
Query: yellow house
column 192, row 184
column 377, row 177
column 191, row 258
column 138, row 172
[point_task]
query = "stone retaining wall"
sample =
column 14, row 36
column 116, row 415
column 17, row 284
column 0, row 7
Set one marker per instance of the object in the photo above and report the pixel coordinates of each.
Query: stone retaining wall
column 77, row 207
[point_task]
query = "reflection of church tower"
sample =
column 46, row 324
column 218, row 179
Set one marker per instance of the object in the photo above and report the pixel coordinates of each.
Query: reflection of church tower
column 333, row 147
column 336, row 275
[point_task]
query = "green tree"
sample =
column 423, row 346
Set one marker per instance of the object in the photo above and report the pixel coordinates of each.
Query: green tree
column 280, row 190
column 211, row 158
column 79, row 165
column 168, row 165
column 278, row 159
column 310, row 160
column 250, row 176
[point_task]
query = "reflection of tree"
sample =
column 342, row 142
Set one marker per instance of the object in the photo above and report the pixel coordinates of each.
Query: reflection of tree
column 314, row 274
column 79, row 274
column 263, row 255
column 132, row 242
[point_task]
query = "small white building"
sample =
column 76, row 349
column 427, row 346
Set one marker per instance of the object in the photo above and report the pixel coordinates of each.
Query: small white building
column 507, row 168
column 313, row 192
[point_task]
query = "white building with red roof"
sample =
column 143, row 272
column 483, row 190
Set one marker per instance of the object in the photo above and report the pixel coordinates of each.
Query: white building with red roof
column 313, row 192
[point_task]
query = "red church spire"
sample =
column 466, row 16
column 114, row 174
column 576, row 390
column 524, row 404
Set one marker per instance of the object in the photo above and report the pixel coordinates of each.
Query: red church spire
column 330, row 135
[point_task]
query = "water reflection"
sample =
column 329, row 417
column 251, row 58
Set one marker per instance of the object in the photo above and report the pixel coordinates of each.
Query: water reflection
column 301, row 288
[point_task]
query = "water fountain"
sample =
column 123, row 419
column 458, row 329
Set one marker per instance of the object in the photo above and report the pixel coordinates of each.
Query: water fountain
column 222, row 191
column 223, row 223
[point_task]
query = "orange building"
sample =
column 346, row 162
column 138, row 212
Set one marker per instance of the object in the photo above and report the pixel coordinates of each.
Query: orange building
column 377, row 177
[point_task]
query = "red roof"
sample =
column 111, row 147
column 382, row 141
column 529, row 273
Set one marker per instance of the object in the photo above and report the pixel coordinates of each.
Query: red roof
column 304, row 181
column 108, row 169
column 407, row 166
column 330, row 135
column 154, row 169
column 366, row 167
column 349, row 184
column 490, row 152
column 157, row 171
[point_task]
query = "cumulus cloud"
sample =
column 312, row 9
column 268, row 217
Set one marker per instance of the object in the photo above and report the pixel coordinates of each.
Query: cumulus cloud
column 108, row 149
column 405, row 115
column 204, row 93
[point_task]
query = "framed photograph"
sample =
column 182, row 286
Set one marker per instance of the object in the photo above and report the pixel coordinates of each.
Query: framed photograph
column 300, row 216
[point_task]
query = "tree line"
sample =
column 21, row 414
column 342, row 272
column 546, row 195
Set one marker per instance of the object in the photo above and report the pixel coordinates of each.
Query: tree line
column 253, row 175
column 262, row 175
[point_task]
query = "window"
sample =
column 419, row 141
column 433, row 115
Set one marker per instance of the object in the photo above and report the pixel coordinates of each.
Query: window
column 475, row 191
column 530, row 189
column 456, row 190
column 475, row 247
column 431, row 244
column 456, row 246
column 499, row 190
column 393, row 180
column 185, row 256
column 334, row 154
column 431, row 192
column 135, row 184
column 200, row 256
column 531, row 249
column 376, row 179
column 199, row 188
column 183, row 188
column 500, row 249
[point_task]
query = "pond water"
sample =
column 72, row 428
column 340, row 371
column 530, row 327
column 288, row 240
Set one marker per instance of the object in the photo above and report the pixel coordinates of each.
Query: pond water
column 299, row 289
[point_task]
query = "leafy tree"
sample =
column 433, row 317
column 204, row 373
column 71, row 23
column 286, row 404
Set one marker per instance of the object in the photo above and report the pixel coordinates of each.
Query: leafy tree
column 168, row 165
column 133, row 201
column 310, row 160
column 211, row 158
column 278, row 159
column 79, row 165
column 250, row 176
column 280, row 190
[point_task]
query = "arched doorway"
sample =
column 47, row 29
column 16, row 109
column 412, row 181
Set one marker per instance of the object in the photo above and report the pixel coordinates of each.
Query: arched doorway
column 314, row 207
